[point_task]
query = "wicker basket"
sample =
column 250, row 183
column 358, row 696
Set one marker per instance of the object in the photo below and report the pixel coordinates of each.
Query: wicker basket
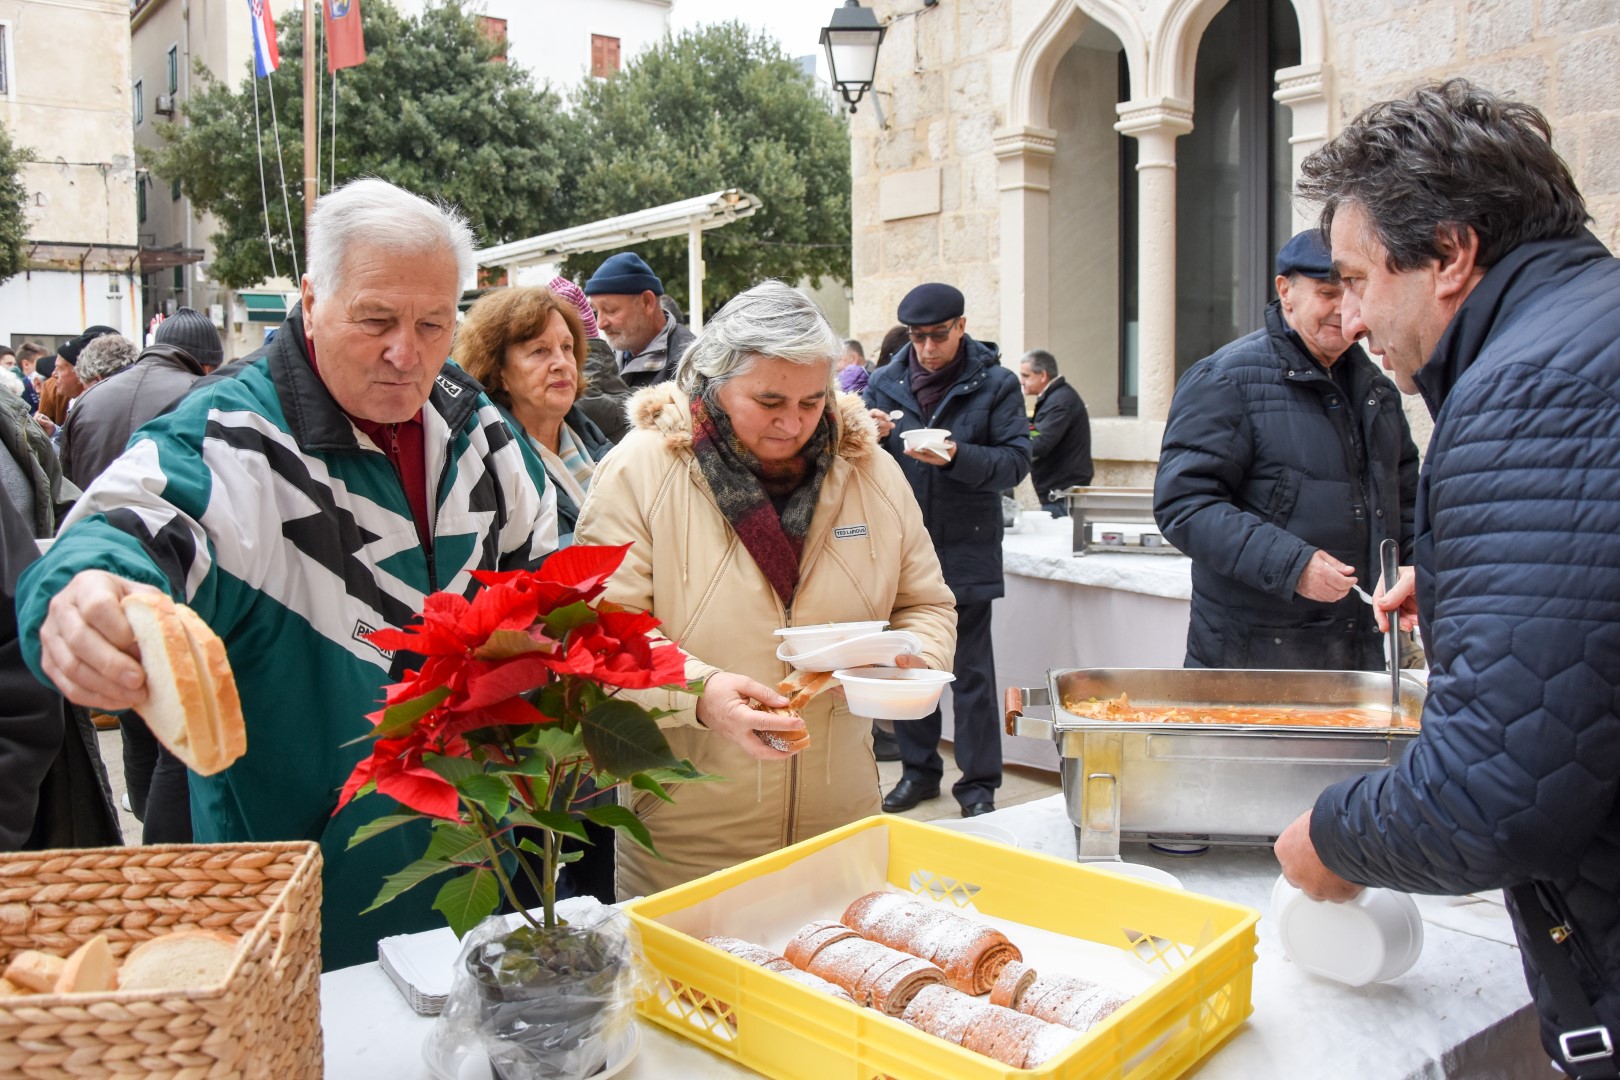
column 263, row 1020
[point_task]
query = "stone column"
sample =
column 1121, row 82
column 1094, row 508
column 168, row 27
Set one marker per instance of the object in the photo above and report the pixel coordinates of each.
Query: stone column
column 1155, row 124
column 1025, row 181
column 1304, row 89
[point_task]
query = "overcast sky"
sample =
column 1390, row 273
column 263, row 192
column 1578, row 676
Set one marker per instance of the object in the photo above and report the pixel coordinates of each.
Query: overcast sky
column 795, row 23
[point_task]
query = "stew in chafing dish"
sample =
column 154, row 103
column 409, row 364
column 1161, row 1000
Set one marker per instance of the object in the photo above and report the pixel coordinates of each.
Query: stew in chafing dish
column 1121, row 709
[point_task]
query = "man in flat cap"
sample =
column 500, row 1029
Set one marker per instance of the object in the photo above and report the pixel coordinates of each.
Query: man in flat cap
column 64, row 383
column 945, row 379
column 647, row 341
column 1287, row 460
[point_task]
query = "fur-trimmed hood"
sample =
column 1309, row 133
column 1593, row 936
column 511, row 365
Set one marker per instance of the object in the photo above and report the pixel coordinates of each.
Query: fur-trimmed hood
column 667, row 409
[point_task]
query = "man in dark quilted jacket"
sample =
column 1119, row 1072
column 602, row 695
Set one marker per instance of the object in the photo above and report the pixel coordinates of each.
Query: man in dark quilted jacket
column 1462, row 244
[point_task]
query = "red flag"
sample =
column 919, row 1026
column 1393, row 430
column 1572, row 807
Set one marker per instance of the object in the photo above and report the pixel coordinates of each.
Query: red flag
column 345, row 44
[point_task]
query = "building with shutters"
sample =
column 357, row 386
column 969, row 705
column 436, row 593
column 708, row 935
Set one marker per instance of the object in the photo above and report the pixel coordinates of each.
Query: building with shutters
column 83, row 254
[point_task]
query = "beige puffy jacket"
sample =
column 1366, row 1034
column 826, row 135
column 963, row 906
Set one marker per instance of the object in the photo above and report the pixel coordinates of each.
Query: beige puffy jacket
column 867, row 556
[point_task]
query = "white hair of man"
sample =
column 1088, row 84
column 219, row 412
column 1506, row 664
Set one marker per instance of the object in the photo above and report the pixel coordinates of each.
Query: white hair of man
column 374, row 213
column 771, row 319
column 106, row 355
column 10, row 382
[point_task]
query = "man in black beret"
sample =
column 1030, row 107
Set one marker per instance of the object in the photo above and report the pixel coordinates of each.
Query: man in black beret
column 64, row 384
column 944, row 379
column 1287, row 459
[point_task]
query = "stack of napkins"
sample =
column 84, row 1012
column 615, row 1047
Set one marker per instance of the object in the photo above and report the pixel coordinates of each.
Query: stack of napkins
column 423, row 965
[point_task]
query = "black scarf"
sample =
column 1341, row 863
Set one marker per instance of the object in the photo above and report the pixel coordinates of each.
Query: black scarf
column 930, row 387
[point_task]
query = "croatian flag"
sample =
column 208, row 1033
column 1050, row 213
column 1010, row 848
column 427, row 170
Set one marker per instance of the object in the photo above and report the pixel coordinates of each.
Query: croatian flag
column 266, row 57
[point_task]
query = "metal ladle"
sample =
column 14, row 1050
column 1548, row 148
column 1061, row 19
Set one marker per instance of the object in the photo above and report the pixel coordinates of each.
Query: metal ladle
column 1390, row 555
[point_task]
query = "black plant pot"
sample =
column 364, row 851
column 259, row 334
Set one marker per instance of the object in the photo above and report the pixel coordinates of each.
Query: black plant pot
column 546, row 998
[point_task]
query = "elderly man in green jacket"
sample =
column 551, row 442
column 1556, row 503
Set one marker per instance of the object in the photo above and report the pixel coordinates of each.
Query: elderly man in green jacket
column 315, row 491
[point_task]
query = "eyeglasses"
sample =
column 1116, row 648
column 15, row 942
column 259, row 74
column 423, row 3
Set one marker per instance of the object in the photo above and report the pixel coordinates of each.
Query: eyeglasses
column 938, row 337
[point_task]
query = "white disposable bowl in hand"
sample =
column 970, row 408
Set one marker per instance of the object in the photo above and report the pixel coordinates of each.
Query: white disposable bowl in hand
column 1375, row 937
column 892, row 693
column 798, row 640
column 872, row 650
column 928, row 438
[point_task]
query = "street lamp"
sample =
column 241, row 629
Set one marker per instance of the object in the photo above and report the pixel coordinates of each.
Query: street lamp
column 851, row 41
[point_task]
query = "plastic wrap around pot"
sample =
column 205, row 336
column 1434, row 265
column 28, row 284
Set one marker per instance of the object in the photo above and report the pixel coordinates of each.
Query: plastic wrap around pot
column 544, row 1003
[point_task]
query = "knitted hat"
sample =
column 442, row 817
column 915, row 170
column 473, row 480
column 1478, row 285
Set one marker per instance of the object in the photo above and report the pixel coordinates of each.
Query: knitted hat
column 190, row 330
column 931, row 304
column 564, row 289
column 624, row 274
column 70, row 350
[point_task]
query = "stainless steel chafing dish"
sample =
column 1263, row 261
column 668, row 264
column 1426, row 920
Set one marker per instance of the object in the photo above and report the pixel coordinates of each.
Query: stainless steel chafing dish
column 1233, row 783
column 1093, row 508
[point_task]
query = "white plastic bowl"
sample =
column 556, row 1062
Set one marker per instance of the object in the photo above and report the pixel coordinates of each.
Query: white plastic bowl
column 1376, row 937
column 1141, row 871
column 984, row 830
column 798, row 640
column 872, row 650
column 892, row 693
column 928, row 438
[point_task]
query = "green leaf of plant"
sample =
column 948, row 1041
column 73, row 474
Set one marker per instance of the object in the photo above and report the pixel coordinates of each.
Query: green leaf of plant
column 381, row 825
column 552, row 743
column 566, row 619
column 531, row 847
column 621, row 819
column 398, row 719
column 644, row 782
column 468, row 899
column 408, row 878
column 682, row 772
column 555, row 820
column 624, row 740
column 453, row 769
column 459, row 844
column 490, row 792
column 570, row 856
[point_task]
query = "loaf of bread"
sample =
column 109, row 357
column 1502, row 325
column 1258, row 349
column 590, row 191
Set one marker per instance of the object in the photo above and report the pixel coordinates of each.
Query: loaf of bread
column 192, row 705
column 1009, row 1037
column 873, row 974
column 971, row 954
column 1057, row 999
column 177, row 961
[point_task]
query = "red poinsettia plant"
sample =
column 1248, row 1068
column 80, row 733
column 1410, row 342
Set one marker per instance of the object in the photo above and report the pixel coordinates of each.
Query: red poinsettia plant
column 517, row 705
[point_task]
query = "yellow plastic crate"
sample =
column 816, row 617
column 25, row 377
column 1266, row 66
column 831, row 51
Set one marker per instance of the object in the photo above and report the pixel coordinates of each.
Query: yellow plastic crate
column 767, row 1022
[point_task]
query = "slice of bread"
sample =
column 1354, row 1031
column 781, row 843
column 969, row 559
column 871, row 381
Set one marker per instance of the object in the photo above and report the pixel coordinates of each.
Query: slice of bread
column 192, row 705
column 11, row 989
column 35, row 970
column 183, row 960
column 90, row 970
column 219, row 686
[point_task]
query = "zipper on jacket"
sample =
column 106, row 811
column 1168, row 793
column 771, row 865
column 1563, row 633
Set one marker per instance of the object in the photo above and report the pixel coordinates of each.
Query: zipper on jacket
column 433, row 495
column 792, row 831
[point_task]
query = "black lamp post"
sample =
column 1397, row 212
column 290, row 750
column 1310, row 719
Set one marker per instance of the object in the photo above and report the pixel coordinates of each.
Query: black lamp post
column 851, row 41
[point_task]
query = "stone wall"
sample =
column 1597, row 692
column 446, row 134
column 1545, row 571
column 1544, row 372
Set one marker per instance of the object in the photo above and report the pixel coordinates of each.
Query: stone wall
column 924, row 187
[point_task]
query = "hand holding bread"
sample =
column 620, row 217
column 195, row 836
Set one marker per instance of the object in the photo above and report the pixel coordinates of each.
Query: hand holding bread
column 86, row 645
column 191, row 705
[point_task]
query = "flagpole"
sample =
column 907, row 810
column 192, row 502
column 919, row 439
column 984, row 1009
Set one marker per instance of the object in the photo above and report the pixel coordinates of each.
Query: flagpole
column 312, row 165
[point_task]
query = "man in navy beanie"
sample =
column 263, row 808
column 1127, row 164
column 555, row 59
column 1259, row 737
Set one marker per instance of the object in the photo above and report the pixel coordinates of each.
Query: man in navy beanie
column 647, row 341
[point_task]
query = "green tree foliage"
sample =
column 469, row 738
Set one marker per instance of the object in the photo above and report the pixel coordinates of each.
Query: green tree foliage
column 13, row 207
column 427, row 111
column 715, row 108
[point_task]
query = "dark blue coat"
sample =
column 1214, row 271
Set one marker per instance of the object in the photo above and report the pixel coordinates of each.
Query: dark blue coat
column 1258, row 471
column 1516, row 772
column 961, row 502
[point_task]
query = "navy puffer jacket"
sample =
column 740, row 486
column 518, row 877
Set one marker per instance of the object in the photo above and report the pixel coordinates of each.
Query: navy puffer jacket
column 961, row 502
column 1515, row 775
column 1258, row 471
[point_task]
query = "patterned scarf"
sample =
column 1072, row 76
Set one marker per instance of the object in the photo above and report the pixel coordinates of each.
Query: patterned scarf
column 745, row 487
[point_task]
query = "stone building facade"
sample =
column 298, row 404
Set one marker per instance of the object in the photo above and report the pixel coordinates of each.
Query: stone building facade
column 80, row 168
column 1109, row 179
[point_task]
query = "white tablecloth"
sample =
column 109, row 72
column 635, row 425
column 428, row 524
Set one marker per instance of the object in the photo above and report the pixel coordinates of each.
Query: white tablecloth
column 1462, row 1011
